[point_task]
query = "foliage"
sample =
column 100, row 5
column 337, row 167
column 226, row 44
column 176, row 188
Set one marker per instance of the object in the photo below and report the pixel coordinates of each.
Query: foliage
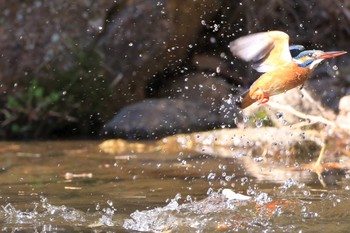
column 24, row 112
column 65, row 102
column 260, row 118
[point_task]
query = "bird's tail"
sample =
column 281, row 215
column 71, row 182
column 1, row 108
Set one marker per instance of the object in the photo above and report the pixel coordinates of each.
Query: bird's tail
column 244, row 100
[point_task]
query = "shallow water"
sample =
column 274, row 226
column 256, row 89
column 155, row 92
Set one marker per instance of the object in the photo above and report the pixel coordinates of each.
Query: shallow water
column 73, row 187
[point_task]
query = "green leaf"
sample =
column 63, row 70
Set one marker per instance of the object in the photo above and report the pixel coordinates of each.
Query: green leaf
column 39, row 92
column 13, row 102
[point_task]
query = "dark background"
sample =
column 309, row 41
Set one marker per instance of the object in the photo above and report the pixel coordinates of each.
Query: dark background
column 68, row 67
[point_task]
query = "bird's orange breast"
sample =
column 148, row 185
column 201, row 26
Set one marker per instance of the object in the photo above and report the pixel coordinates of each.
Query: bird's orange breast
column 280, row 79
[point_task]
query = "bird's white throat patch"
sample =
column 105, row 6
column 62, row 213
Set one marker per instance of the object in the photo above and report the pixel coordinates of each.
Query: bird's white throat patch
column 314, row 64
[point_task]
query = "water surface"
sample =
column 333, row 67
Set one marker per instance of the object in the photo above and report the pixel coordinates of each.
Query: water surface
column 72, row 186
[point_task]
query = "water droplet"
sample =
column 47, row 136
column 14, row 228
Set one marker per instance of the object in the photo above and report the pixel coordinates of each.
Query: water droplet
column 177, row 197
column 56, row 37
column 306, row 193
column 279, row 114
column 258, row 123
column 335, row 67
column 244, row 180
column 303, row 209
column 131, row 44
column 110, row 203
column 211, row 176
column 245, row 118
column 189, row 198
column 216, row 27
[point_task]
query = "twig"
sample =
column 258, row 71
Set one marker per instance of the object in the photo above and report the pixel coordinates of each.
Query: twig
column 313, row 119
column 300, row 114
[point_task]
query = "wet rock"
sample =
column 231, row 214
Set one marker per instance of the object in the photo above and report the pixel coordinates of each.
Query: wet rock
column 156, row 118
column 267, row 141
column 144, row 37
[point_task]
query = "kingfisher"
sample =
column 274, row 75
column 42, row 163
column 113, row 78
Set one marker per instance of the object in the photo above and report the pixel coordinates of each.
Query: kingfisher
column 284, row 66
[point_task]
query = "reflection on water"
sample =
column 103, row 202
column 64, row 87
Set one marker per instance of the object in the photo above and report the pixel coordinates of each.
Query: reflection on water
column 74, row 187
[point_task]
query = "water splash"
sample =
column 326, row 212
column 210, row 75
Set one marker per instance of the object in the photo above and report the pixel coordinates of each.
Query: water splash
column 192, row 216
column 46, row 217
column 43, row 210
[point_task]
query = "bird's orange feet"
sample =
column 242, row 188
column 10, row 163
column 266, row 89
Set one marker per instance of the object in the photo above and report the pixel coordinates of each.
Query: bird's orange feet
column 263, row 97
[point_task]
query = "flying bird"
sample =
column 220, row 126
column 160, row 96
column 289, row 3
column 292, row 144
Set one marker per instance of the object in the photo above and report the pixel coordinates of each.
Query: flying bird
column 284, row 67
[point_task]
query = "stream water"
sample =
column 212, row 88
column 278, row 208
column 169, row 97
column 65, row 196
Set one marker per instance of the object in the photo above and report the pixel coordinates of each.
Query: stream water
column 71, row 186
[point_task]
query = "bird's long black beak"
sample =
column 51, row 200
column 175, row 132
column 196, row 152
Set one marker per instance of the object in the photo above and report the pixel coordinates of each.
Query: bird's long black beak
column 330, row 54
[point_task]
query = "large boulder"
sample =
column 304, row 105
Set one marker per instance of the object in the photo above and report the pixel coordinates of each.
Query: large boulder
column 156, row 118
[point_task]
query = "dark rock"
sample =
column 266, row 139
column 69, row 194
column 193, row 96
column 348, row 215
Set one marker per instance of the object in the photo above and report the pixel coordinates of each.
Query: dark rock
column 34, row 34
column 209, row 90
column 144, row 37
column 325, row 89
column 200, row 87
column 156, row 118
column 215, row 64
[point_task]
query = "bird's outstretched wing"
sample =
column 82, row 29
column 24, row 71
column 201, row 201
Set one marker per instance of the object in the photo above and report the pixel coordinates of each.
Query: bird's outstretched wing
column 266, row 50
